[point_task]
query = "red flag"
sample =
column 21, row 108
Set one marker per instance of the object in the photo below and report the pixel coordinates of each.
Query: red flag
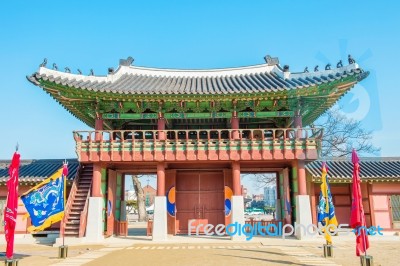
column 10, row 212
column 357, row 220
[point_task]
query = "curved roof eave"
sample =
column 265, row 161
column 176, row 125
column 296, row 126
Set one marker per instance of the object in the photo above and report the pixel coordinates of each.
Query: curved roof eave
column 137, row 80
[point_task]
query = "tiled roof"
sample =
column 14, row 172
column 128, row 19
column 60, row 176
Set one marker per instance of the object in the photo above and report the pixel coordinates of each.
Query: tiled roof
column 37, row 170
column 370, row 168
column 252, row 79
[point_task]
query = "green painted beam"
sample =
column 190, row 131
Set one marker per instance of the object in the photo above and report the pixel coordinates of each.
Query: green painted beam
column 199, row 115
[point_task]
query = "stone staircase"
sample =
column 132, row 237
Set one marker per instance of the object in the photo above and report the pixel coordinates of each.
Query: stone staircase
column 76, row 207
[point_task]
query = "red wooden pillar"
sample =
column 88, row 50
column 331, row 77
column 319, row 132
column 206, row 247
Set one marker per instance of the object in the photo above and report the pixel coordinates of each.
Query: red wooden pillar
column 161, row 128
column 235, row 125
column 160, row 179
column 96, row 181
column 301, row 178
column 98, row 125
column 237, row 191
column 313, row 199
column 298, row 123
column 111, row 199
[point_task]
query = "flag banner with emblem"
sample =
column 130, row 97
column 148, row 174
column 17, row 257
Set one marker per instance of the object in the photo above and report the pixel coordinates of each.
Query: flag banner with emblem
column 326, row 209
column 45, row 203
column 10, row 212
column 357, row 217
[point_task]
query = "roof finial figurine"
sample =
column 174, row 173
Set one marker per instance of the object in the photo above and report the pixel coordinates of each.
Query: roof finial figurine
column 351, row 60
column 306, row 70
column 328, row 67
column 79, row 72
column 55, row 66
column 126, row 62
column 67, row 70
column 110, row 70
column 285, row 68
column 271, row 61
column 91, row 72
column 44, row 63
column 339, row 64
column 316, row 68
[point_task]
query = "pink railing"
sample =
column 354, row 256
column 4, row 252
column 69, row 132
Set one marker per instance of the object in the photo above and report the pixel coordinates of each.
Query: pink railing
column 71, row 197
column 199, row 135
column 83, row 216
column 210, row 144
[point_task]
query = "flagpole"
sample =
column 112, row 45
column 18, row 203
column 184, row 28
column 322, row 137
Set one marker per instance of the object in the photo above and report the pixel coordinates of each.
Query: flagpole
column 326, row 200
column 327, row 204
column 10, row 213
column 65, row 180
column 363, row 222
column 12, row 256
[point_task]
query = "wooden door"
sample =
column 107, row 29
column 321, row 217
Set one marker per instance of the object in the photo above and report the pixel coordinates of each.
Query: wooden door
column 111, row 188
column 199, row 196
column 212, row 200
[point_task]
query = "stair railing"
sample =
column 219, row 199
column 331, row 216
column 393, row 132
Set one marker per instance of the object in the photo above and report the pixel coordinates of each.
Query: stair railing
column 84, row 213
column 70, row 200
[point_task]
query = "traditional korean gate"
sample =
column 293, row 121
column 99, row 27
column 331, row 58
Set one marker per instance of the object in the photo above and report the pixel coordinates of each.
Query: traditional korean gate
column 199, row 196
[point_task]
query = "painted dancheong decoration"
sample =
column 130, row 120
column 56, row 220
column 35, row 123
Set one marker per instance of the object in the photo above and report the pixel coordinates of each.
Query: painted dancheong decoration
column 45, row 202
column 171, row 201
column 228, row 201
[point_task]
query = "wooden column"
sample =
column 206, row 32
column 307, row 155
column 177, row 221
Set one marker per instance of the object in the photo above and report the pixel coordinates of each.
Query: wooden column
column 301, row 178
column 96, row 182
column 298, row 123
column 160, row 179
column 98, row 126
column 161, row 126
column 237, row 190
column 235, row 125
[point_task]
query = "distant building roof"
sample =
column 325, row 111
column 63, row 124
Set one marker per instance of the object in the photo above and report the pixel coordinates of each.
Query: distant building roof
column 37, row 170
column 149, row 188
column 370, row 168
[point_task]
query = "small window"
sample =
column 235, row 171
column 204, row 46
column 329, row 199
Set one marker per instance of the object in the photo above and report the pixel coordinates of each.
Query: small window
column 2, row 206
column 395, row 204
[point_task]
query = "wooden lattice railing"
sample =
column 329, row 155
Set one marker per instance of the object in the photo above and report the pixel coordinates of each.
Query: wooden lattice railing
column 210, row 144
column 199, row 135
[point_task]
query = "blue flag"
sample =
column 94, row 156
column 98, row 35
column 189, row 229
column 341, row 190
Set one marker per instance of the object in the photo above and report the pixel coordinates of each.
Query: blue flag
column 45, row 202
column 326, row 210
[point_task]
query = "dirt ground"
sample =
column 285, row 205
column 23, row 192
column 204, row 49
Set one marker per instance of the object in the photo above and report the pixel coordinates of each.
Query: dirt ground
column 193, row 255
column 384, row 253
column 263, row 252
column 35, row 255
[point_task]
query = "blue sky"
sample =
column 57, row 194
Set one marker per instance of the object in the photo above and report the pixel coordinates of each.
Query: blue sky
column 190, row 34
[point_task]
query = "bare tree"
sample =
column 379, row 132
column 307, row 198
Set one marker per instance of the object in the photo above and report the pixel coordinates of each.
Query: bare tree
column 140, row 198
column 342, row 134
column 261, row 180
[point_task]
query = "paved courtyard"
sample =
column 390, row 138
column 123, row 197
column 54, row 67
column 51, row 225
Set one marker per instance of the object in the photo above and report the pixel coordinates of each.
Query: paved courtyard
column 260, row 251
